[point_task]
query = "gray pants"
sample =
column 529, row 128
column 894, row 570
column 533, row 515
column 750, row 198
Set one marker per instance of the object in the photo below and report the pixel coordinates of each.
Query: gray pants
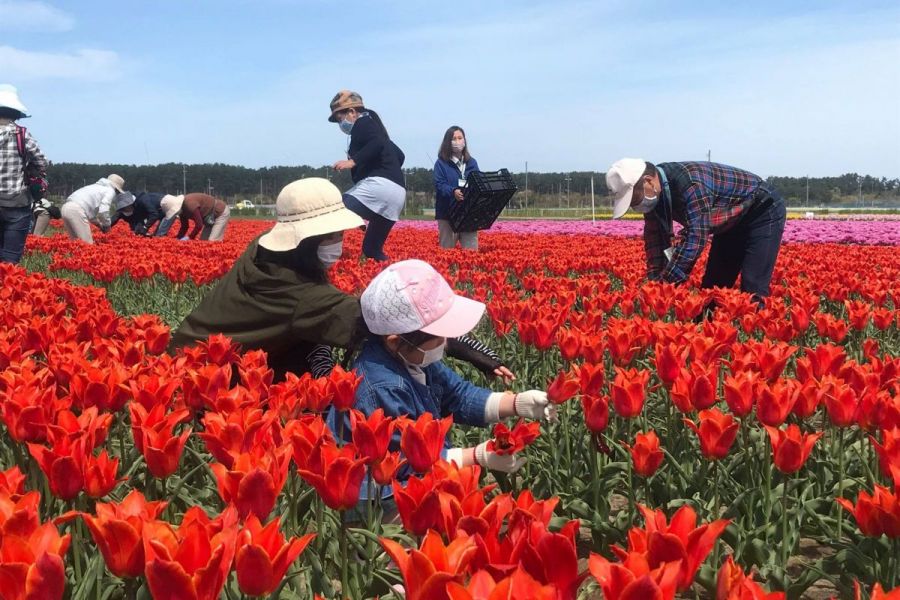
column 41, row 222
column 216, row 231
column 76, row 222
column 448, row 238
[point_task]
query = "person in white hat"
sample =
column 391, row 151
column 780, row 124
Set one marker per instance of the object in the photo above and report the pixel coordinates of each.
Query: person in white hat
column 91, row 204
column 277, row 296
column 22, row 179
column 741, row 212
column 411, row 312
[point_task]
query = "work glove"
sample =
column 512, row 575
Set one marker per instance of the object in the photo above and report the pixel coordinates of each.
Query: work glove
column 534, row 404
column 507, row 463
column 184, row 239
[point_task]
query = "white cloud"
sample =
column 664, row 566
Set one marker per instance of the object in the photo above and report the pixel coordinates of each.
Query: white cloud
column 29, row 16
column 83, row 65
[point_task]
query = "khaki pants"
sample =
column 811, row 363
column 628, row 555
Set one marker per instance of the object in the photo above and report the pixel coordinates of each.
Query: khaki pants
column 41, row 222
column 448, row 238
column 76, row 222
column 216, row 232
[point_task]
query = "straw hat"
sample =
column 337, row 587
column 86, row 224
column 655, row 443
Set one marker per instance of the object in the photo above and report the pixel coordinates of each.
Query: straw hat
column 343, row 100
column 117, row 182
column 304, row 208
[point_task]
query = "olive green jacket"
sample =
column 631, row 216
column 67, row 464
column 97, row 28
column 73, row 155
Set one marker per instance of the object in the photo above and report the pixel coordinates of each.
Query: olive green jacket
column 269, row 307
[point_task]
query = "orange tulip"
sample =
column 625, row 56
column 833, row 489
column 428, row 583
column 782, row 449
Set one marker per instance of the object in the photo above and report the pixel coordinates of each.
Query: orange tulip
column 433, row 565
column 372, row 435
column 336, row 473
column 518, row 585
column 422, row 441
column 100, row 475
column 254, row 480
column 342, row 385
column 790, row 448
column 511, row 441
column 716, row 432
column 31, row 565
column 634, row 580
column 733, row 584
column 645, row 454
column 562, row 388
column 383, row 471
column 775, row 402
column 263, row 556
column 876, row 514
column 628, row 391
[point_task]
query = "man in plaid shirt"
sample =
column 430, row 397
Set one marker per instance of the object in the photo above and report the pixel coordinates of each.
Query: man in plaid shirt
column 15, row 198
column 743, row 214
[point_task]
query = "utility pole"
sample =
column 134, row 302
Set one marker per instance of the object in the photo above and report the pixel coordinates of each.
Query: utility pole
column 260, row 190
column 183, row 178
column 709, row 156
column 568, row 179
column 526, row 184
column 859, row 185
column 209, row 186
column 807, row 191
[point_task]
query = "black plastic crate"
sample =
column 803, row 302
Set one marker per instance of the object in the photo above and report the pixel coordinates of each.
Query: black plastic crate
column 486, row 195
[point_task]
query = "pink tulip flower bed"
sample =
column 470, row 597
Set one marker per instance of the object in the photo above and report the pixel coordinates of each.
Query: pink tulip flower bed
column 885, row 232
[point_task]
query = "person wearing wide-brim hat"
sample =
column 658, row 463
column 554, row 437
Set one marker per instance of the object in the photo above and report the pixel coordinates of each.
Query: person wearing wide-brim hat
column 91, row 204
column 742, row 213
column 379, row 191
column 22, row 167
column 277, row 296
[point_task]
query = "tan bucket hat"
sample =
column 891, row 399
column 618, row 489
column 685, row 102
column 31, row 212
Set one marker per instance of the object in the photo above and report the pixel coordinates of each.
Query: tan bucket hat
column 304, row 208
column 171, row 204
column 343, row 100
column 117, row 182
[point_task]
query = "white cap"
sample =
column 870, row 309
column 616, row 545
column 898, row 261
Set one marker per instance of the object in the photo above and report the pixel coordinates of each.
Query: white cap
column 9, row 98
column 411, row 296
column 620, row 180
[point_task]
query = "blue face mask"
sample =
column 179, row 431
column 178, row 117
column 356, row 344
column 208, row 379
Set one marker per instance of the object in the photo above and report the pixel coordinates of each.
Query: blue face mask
column 346, row 126
column 646, row 205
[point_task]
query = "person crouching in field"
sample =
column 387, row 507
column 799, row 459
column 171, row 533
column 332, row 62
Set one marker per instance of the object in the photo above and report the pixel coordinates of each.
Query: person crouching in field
column 411, row 312
column 451, row 169
column 277, row 296
column 20, row 161
column 209, row 216
column 141, row 211
column 43, row 211
column 91, row 204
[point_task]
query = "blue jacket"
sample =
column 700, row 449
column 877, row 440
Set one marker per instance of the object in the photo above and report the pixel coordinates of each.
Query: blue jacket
column 387, row 385
column 374, row 153
column 446, row 180
column 147, row 211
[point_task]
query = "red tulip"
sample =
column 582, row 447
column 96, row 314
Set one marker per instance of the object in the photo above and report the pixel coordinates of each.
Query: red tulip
column 419, row 505
column 12, row 481
column 669, row 359
column 596, row 412
column 733, row 584
column 192, row 562
column 371, row 435
column 889, row 454
column 716, row 432
column 875, row 514
column 117, row 530
column 645, row 454
column 433, row 565
column 263, row 556
column 336, row 473
column 422, row 441
column 343, row 386
column 562, row 388
column 518, row 585
column 628, row 391
column 100, row 475
column 511, row 441
column 775, row 402
column 31, row 565
column 590, row 378
column 305, row 433
column 878, row 592
column 740, row 391
column 634, row 580
column 790, row 448
column 162, row 449
column 841, row 402
column 19, row 515
column 62, row 465
column 383, row 470
column 254, row 480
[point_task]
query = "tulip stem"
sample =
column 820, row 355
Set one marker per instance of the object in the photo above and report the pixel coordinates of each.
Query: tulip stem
column 715, row 514
column 345, row 560
column 784, row 530
column 840, row 485
column 631, row 507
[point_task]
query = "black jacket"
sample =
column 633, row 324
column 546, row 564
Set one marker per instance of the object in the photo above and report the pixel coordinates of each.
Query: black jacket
column 374, row 153
column 147, row 212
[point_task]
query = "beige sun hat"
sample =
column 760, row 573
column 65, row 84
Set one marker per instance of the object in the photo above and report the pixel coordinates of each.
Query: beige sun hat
column 304, row 208
column 117, row 182
column 9, row 98
column 171, row 204
column 343, row 100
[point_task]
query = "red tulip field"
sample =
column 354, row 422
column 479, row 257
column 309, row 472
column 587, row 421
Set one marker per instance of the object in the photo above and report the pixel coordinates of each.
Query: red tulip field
column 753, row 454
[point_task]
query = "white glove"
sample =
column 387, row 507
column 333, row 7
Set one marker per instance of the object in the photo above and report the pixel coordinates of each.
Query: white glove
column 507, row 463
column 534, row 405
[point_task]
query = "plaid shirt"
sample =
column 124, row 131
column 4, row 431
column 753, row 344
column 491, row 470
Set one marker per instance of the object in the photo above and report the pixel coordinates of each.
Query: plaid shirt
column 706, row 198
column 12, row 172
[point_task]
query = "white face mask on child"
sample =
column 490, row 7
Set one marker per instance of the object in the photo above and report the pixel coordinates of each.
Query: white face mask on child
column 429, row 356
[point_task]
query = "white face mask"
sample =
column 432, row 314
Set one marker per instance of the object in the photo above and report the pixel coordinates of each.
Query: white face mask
column 646, row 205
column 346, row 126
column 458, row 146
column 430, row 356
column 330, row 253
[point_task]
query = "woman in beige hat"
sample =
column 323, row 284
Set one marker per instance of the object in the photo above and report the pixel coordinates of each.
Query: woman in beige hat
column 277, row 296
column 91, row 204
column 22, row 169
column 379, row 191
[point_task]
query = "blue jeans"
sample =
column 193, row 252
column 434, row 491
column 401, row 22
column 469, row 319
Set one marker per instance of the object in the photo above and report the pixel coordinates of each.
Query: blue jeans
column 14, row 226
column 377, row 230
column 164, row 225
column 749, row 249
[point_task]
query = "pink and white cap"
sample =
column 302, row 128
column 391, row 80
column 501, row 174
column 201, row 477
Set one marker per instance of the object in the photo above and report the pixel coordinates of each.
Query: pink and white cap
column 411, row 296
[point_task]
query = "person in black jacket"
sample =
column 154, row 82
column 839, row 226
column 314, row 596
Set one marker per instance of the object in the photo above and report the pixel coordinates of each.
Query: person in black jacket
column 141, row 212
column 379, row 191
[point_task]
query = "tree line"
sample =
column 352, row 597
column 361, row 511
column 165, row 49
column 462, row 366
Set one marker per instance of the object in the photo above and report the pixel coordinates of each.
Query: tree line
column 544, row 189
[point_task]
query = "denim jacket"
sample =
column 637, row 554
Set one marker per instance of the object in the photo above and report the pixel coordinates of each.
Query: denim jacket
column 387, row 385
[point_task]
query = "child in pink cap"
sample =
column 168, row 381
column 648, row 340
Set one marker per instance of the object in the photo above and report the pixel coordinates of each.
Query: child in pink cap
column 410, row 310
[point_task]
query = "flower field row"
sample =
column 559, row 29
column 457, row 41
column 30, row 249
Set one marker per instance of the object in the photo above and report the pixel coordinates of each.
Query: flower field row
column 737, row 457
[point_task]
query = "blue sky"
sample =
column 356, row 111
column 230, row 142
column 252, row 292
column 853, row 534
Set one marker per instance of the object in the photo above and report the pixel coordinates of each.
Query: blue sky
column 780, row 88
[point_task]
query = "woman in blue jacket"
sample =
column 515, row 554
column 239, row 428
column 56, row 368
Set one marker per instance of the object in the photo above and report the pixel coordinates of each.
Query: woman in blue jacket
column 450, row 172
column 379, row 191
